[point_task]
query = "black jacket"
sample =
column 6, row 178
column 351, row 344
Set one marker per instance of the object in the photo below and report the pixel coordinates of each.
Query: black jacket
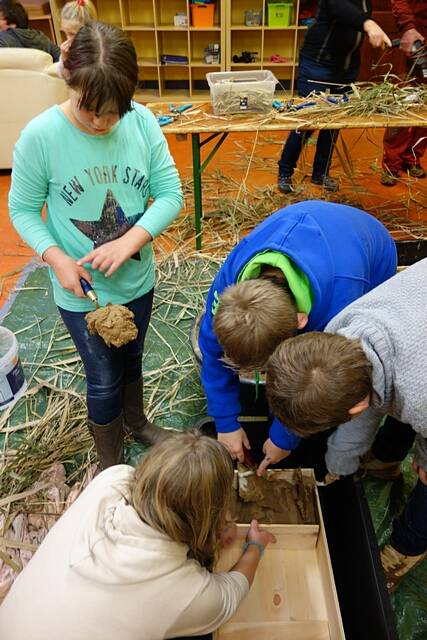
column 337, row 35
column 29, row 39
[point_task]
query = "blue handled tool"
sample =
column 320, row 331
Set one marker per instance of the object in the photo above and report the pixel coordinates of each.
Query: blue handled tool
column 89, row 291
column 180, row 109
column 164, row 120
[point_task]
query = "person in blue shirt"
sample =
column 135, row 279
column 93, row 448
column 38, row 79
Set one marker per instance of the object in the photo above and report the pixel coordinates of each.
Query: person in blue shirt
column 293, row 272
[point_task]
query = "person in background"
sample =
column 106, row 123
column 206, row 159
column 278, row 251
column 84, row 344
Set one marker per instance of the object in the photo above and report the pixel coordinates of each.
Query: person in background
column 108, row 196
column 370, row 362
column 329, row 61
column 405, row 147
column 73, row 16
column 15, row 32
column 293, row 272
column 134, row 555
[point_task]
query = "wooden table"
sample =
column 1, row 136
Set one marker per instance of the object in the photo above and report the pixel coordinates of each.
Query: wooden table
column 200, row 121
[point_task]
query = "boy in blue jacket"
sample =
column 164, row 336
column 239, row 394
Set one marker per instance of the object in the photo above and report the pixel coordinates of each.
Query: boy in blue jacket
column 293, row 272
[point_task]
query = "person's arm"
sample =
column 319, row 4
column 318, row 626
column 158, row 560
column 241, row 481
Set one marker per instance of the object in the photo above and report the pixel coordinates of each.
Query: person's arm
column 351, row 440
column 165, row 184
column 220, row 382
column 223, row 592
column 28, row 192
column 404, row 15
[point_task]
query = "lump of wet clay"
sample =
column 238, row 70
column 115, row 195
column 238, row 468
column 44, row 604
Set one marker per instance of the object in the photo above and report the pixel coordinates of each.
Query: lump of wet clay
column 114, row 323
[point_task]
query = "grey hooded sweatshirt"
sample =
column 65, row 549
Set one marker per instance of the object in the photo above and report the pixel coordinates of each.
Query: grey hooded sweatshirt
column 391, row 323
column 29, row 39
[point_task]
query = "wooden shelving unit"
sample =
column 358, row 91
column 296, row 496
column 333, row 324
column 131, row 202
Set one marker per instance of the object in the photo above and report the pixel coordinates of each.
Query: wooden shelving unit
column 40, row 17
column 266, row 40
column 151, row 27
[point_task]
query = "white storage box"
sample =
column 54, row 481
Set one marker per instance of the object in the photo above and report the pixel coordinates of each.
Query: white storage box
column 241, row 91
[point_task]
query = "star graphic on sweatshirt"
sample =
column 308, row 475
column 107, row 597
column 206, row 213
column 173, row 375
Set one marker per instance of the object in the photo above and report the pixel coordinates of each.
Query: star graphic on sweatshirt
column 112, row 224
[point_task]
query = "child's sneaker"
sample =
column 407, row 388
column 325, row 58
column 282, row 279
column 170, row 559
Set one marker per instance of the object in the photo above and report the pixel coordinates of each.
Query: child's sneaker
column 396, row 565
column 371, row 466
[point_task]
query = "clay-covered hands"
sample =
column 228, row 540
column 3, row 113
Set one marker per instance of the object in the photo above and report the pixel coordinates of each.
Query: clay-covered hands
column 420, row 472
column 110, row 256
column 234, row 442
column 272, row 455
column 67, row 270
column 377, row 37
column 408, row 40
column 261, row 536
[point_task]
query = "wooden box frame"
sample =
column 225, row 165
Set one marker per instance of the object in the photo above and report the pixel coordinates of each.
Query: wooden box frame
column 293, row 596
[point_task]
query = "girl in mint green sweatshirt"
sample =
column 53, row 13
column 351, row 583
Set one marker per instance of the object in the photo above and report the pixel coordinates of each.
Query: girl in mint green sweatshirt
column 95, row 161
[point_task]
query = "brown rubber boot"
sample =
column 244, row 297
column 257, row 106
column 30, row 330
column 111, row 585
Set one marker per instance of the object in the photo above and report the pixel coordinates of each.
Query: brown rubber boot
column 136, row 423
column 108, row 441
column 371, row 466
column 396, row 565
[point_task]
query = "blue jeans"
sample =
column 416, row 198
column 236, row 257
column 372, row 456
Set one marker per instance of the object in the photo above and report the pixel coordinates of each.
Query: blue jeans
column 109, row 368
column 409, row 535
column 310, row 70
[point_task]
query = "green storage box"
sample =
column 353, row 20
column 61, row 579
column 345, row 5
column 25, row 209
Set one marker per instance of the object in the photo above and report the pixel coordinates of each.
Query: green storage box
column 280, row 14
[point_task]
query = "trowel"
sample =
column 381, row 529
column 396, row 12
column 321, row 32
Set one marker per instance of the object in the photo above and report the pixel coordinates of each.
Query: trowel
column 89, row 291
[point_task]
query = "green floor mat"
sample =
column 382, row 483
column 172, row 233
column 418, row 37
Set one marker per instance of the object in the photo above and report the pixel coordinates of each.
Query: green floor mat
column 173, row 393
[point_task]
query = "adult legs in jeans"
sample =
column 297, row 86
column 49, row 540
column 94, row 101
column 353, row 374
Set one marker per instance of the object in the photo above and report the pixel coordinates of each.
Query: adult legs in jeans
column 310, row 71
column 108, row 371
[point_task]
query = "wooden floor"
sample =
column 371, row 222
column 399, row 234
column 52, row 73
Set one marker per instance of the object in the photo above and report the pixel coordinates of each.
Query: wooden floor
column 254, row 159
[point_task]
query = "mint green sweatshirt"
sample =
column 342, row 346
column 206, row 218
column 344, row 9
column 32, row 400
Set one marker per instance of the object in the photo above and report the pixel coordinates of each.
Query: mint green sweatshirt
column 95, row 188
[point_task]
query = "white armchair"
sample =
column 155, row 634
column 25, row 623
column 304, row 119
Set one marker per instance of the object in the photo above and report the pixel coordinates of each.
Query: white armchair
column 29, row 84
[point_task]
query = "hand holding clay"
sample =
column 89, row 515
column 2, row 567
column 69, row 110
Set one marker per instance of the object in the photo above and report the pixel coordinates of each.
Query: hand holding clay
column 67, row 270
column 233, row 442
column 272, row 454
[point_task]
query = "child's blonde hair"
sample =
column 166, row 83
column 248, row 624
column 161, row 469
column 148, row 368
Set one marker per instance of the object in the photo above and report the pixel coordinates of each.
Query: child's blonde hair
column 78, row 13
column 183, row 488
column 253, row 317
column 314, row 380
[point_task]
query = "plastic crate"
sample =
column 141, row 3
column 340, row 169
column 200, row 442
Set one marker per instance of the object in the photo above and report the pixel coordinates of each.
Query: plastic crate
column 202, row 15
column 280, row 14
column 241, row 91
column 253, row 18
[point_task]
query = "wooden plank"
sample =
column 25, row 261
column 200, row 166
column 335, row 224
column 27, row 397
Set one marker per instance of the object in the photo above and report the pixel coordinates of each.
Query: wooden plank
column 329, row 589
column 203, row 120
column 307, row 630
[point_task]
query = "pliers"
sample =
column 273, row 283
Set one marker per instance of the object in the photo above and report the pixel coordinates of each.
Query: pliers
column 174, row 113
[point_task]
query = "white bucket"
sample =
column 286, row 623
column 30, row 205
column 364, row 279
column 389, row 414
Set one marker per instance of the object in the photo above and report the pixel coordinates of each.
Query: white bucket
column 12, row 379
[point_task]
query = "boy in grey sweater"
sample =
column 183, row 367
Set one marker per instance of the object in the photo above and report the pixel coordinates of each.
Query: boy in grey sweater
column 370, row 362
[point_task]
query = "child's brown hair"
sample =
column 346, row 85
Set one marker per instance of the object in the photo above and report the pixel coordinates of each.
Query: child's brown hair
column 183, row 488
column 253, row 317
column 102, row 65
column 313, row 380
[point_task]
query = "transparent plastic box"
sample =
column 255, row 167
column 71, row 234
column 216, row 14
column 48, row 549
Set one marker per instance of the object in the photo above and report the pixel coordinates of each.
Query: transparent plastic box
column 241, row 91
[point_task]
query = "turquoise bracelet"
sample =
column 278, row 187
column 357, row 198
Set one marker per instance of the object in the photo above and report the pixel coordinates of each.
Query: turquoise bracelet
column 256, row 544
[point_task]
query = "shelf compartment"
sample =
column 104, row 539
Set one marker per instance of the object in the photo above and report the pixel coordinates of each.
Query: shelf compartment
column 198, row 79
column 174, row 79
column 146, row 47
column 137, row 14
column 173, row 43
column 280, row 42
column 247, row 40
column 199, row 40
column 237, row 12
column 148, row 83
column 108, row 11
column 165, row 11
